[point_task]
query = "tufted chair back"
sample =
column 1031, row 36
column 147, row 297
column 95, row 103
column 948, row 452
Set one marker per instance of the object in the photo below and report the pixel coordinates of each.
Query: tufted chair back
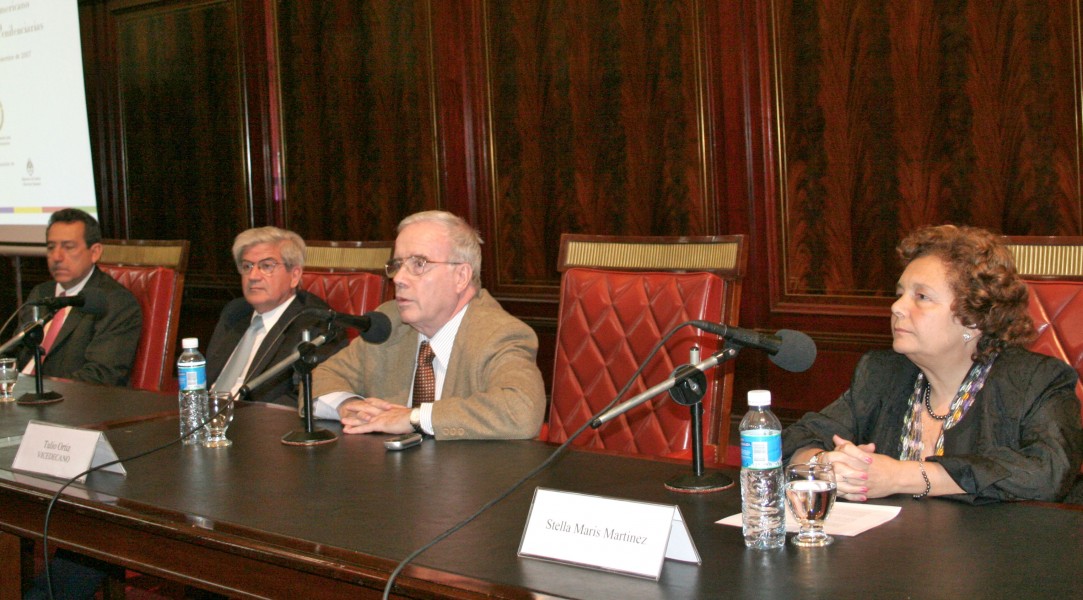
column 153, row 271
column 619, row 297
column 349, row 276
column 1053, row 269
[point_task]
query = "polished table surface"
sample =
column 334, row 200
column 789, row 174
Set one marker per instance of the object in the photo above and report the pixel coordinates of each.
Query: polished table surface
column 263, row 519
column 122, row 406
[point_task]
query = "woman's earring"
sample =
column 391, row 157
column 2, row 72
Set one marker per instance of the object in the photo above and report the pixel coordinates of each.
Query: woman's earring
column 966, row 336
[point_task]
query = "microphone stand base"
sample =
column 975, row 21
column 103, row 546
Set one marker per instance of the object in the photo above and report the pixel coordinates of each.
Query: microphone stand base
column 706, row 483
column 309, row 438
column 31, row 399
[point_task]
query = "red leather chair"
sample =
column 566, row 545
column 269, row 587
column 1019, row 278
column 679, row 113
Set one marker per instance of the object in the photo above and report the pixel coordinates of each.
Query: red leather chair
column 349, row 276
column 1053, row 269
column 153, row 270
column 618, row 297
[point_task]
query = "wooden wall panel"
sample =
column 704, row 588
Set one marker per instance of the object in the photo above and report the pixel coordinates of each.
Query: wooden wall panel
column 823, row 130
column 182, row 130
column 177, row 101
column 869, row 119
column 596, row 112
column 358, row 116
column 897, row 114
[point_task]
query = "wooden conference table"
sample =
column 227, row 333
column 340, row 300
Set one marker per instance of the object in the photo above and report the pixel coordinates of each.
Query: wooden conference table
column 261, row 519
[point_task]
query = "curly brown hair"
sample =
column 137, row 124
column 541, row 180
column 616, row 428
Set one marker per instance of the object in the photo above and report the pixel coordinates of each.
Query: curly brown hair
column 989, row 294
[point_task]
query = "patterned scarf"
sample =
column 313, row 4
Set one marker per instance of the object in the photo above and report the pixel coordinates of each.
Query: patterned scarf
column 912, row 444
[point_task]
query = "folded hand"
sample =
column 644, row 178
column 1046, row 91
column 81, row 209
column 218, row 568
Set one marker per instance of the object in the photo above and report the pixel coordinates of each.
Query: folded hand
column 372, row 415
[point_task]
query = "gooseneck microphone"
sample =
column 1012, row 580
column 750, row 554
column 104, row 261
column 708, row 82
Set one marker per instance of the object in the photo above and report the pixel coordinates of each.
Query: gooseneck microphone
column 703, row 366
column 789, row 349
column 286, row 363
column 375, row 326
column 90, row 301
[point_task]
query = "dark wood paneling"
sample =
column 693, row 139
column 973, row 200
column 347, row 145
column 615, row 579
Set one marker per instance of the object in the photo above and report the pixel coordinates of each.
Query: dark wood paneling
column 183, row 132
column 596, row 111
column 358, row 115
column 178, row 109
column 899, row 114
column 868, row 119
column 822, row 130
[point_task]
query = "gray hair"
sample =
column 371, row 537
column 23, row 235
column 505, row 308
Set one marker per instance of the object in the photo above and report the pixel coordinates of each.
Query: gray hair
column 290, row 245
column 465, row 240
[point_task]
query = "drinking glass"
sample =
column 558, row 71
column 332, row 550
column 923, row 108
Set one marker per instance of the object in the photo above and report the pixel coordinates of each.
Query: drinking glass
column 810, row 492
column 220, row 409
column 8, row 376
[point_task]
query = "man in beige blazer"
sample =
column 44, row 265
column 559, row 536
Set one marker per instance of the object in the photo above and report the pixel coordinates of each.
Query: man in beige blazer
column 487, row 382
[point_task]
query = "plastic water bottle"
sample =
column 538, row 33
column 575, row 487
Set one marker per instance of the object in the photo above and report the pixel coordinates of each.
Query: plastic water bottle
column 763, row 509
column 192, row 376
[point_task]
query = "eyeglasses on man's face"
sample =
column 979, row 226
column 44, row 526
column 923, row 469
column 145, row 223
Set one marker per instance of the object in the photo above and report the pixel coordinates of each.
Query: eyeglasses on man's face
column 266, row 266
column 415, row 265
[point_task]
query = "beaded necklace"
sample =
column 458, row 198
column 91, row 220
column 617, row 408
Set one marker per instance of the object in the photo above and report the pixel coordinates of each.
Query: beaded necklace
column 929, row 406
column 911, row 439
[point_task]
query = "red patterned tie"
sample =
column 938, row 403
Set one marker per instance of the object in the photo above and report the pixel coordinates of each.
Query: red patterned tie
column 54, row 329
column 424, row 378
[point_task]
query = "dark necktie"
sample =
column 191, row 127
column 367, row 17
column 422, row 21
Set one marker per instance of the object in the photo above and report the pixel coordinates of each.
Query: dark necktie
column 424, row 378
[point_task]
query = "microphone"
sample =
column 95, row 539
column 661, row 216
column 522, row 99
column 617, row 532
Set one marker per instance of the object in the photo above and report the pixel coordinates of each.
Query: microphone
column 88, row 301
column 789, row 349
column 708, row 363
column 279, row 367
column 374, row 326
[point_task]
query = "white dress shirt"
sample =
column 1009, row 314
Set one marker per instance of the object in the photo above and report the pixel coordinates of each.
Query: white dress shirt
column 326, row 406
column 270, row 318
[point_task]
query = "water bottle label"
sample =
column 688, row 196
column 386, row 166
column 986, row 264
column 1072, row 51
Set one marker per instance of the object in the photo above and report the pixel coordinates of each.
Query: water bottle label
column 761, row 449
column 192, row 378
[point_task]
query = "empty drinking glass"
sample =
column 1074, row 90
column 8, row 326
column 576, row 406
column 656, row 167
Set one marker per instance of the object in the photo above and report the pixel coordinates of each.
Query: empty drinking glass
column 220, row 411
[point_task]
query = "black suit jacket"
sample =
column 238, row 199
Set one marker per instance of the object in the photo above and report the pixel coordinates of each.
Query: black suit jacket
column 1021, row 440
column 279, row 343
column 94, row 348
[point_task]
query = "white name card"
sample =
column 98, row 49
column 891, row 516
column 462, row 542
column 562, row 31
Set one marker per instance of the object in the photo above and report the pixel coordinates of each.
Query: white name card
column 64, row 452
column 610, row 534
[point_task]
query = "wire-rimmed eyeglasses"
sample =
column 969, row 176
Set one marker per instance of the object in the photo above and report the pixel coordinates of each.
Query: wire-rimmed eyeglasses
column 266, row 266
column 415, row 265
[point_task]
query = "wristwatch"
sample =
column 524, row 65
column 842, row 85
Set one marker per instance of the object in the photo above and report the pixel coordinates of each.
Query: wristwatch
column 415, row 419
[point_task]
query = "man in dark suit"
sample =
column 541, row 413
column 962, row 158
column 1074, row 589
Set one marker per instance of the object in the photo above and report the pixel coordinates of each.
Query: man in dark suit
column 256, row 332
column 99, row 348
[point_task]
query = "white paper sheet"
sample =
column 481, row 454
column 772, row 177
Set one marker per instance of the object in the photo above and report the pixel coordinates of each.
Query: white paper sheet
column 846, row 518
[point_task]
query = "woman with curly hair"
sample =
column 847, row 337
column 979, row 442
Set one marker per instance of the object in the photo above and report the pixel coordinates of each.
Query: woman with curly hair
column 958, row 407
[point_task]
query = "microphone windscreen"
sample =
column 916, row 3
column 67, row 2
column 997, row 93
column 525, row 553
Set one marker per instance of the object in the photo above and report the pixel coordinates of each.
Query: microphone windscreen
column 93, row 302
column 797, row 351
column 379, row 328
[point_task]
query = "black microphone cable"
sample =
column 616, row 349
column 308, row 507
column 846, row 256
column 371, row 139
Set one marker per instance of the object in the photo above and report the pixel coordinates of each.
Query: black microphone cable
column 8, row 322
column 542, row 466
column 56, row 496
column 14, row 314
column 52, row 501
column 14, row 351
